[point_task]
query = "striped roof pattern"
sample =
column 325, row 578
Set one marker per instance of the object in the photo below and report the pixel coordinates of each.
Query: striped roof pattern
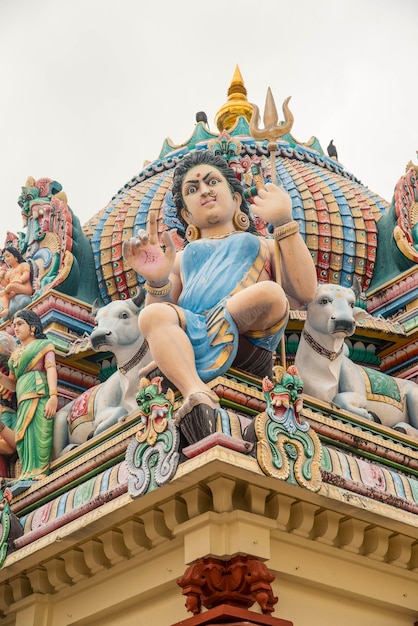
column 337, row 215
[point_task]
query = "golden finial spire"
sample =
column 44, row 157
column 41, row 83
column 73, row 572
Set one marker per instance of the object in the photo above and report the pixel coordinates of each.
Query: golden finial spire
column 237, row 104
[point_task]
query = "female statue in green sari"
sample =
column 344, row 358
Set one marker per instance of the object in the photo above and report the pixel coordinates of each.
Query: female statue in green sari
column 33, row 376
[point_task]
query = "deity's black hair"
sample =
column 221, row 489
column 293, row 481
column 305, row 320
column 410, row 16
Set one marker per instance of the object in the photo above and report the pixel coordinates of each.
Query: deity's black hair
column 33, row 320
column 205, row 157
column 14, row 252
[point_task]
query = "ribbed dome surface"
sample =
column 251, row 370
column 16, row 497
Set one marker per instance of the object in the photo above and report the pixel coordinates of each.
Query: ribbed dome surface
column 337, row 215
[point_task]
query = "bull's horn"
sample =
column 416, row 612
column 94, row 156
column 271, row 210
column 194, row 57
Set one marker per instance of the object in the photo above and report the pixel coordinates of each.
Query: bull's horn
column 95, row 307
column 139, row 299
column 356, row 287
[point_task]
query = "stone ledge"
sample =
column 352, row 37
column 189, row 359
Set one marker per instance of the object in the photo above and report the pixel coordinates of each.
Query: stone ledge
column 215, row 494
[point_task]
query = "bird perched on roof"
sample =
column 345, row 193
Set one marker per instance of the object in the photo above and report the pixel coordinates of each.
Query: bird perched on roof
column 201, row 117
column 332, row 150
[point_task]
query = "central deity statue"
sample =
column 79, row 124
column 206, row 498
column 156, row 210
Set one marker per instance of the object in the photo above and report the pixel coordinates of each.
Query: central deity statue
column 228, row 284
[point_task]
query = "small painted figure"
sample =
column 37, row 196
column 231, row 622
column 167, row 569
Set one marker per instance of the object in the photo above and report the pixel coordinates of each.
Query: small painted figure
column 10, row 527
column 33, row 376
column 226, row 283
column 7, row 410
column 15, row 280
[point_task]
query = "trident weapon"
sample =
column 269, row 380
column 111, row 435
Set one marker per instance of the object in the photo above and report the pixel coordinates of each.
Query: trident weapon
column 272, row 131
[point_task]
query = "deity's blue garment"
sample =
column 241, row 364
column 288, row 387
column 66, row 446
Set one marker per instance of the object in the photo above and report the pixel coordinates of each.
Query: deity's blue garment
column 212, row 270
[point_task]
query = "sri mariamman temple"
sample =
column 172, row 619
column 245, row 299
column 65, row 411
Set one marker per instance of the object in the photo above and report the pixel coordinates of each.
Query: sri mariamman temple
column 232, row 440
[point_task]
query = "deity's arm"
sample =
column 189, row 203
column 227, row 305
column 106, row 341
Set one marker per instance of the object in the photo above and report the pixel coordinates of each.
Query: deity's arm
column 7, row 439
column 292, row 258
column 51, row 371
column 171, row 290
column 152, row 259
column 25, row 273
column 52, row 378
column 3, row 278
column 289, row 253
column 8, row 382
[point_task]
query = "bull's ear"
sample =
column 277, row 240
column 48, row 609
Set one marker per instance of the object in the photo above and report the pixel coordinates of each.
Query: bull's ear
column 359, row 313
column 139, row 299
column 95, row 308
column 356, row 287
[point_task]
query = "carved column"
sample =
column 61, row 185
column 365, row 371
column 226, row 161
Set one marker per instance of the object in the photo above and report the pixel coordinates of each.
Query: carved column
column 228, row 588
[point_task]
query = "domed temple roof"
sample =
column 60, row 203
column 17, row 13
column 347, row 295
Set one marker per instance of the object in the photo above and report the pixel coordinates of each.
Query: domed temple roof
column 337, row 214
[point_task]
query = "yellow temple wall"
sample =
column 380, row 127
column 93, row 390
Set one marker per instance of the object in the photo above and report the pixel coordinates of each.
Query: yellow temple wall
column 337, row 558
column 314, row 587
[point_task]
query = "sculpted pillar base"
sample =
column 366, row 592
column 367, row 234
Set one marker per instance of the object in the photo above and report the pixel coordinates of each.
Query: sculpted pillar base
column 228, row 588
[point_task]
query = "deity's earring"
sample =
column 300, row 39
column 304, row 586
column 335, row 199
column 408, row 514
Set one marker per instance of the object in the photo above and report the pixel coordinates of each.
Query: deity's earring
column 192, row 233
column 241, row 220
column 32, row 332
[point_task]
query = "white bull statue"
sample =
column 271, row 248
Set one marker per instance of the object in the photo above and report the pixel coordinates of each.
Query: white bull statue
column 105, row 404
column 328, row 374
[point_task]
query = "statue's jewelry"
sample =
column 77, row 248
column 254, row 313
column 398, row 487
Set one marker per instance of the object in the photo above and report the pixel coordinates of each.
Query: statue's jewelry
column 192, row 233
column 137, row 357
column 16, row 354
column 224, row 235
column 164, row 290
column 241, row 220
column 290, row 228
column 328, row 354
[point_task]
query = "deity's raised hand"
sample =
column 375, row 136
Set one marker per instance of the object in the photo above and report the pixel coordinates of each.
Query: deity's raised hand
column 145, row 255
column 273, row 204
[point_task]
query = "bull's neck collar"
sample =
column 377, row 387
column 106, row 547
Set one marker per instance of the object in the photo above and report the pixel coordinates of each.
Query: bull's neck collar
column 328, row 354
column 137, row 357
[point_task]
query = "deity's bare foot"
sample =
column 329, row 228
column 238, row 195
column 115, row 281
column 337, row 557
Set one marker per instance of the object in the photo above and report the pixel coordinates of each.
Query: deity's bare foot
column 39, row 476
column 194, row 399
column 197, row 416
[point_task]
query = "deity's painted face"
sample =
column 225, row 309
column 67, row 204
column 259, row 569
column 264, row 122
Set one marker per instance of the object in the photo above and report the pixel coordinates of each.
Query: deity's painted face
column 209, row 202
column 22, row 329
column 9, row 258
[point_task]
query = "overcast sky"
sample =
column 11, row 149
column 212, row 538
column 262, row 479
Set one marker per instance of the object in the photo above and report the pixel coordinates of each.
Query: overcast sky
column 91, row 88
